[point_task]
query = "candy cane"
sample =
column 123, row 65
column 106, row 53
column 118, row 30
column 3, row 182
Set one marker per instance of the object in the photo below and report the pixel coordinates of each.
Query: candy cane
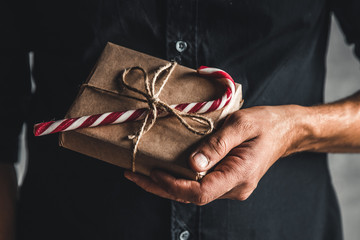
column 45, row 128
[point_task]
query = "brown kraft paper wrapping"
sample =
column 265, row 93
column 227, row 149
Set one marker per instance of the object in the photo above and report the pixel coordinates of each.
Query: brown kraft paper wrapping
column 168, row 144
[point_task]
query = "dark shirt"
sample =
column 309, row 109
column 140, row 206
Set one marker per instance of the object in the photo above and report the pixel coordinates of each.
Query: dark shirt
column 275, row 49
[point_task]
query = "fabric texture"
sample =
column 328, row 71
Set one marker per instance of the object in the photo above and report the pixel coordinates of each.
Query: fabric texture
column 275, row 49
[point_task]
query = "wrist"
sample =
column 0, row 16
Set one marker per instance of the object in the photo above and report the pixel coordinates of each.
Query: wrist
column 301, row 129
column 327, row 128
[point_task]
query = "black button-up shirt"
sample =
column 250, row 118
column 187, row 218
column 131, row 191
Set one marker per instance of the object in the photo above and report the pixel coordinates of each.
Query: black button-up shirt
column 276, row 49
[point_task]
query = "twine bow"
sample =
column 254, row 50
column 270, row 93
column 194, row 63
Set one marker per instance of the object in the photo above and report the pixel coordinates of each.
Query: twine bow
column 155, row 106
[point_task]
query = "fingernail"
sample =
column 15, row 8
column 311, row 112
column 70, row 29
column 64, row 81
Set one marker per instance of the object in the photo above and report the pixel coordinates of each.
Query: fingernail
column 201, row 160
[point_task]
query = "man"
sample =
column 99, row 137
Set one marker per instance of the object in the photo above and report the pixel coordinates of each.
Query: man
column 268, row 157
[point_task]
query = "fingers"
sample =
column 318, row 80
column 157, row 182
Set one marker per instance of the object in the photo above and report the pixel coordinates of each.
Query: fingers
column 214, row 148
column 149, row 185
column 211, row 187
column 215, row 185
column 181, row 190
column 178, row 188
column 228, row 180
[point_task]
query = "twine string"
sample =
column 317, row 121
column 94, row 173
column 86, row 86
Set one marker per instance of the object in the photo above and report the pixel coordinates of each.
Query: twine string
column 155, row 105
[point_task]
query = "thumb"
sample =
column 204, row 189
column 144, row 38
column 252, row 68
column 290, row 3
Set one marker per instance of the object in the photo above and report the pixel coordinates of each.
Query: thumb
column 214, row 148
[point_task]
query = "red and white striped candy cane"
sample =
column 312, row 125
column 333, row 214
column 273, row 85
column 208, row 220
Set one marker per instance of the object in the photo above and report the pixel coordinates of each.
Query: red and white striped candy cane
column 45, row 128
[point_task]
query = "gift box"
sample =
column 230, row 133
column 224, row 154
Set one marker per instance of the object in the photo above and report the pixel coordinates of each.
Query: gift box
column 168, row 144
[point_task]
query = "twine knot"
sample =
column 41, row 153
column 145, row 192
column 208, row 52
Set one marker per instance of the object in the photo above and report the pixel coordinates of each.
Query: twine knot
column 153, row 100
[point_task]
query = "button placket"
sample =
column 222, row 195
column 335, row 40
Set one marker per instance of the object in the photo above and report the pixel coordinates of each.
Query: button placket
column 180, row 46
column 181, row 31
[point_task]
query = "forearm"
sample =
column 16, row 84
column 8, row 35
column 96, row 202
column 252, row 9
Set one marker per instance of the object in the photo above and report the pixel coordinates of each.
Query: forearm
column 8, row 191
column 333, row 127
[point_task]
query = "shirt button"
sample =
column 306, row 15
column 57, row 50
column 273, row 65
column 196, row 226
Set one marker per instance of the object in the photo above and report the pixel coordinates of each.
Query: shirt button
column 184, row 235
column 181, row 46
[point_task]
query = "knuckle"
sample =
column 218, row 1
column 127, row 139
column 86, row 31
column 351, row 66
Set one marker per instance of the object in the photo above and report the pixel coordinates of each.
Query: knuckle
column 246, row 170
column 218, row 144
column 238, row 120
column 234, row 118
column 243, row 197
column 202, row 199
column 241, row 122
column 245, row 194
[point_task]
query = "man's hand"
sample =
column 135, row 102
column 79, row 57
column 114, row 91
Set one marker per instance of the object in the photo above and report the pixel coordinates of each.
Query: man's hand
column 251, row 141
column 242, row 150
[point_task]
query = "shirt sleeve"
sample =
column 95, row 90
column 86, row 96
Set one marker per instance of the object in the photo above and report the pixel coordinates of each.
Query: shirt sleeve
column 14, row 75
column 347, row 13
